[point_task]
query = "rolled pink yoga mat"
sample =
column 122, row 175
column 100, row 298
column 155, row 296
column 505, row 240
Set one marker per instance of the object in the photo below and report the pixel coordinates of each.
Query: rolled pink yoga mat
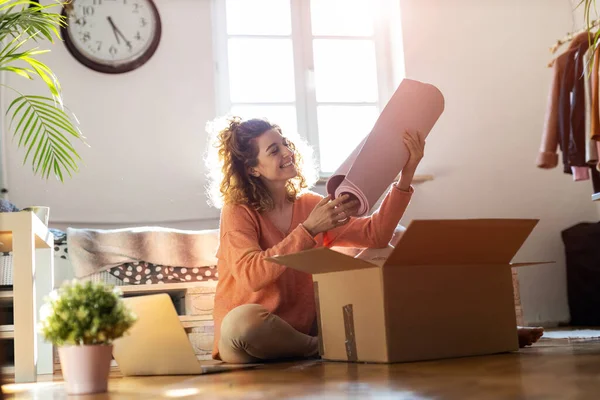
column 379, row 158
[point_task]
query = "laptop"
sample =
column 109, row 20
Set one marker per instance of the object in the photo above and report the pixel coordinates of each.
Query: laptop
column 157, row 343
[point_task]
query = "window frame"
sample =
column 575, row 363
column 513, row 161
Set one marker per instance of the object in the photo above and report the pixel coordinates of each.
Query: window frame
column 388, row 48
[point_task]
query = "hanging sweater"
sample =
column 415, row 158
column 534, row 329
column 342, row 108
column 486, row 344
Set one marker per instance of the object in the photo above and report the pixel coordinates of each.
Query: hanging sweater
column 565, row 121
column 248, row 238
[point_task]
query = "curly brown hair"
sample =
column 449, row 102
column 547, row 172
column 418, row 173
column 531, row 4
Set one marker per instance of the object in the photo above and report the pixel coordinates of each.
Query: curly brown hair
column 237, row 152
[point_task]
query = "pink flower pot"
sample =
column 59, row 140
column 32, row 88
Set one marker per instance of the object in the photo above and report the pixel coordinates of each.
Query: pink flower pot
column 85, row 368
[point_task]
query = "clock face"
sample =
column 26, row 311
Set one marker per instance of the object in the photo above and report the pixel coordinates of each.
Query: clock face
column 112, row 36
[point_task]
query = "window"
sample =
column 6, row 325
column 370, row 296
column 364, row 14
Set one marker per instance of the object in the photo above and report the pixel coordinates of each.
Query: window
column 319, row 68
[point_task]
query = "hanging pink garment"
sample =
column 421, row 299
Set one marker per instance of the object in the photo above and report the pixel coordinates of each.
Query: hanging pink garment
column 379, row 158
column 580, row 173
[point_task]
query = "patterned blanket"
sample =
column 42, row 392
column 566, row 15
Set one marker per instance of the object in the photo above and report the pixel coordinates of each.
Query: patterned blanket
column 96, row 250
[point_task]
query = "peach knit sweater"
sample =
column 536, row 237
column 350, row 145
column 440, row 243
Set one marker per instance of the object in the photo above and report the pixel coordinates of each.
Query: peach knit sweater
column 247, row 238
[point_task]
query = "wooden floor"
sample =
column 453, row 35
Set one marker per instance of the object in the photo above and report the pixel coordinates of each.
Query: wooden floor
column 552, row 369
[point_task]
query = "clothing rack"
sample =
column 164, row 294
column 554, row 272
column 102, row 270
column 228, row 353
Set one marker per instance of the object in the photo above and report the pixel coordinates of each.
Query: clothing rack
column 585, row 41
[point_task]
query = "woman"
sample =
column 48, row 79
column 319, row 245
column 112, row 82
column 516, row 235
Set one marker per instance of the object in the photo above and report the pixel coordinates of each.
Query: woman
column 264, row 311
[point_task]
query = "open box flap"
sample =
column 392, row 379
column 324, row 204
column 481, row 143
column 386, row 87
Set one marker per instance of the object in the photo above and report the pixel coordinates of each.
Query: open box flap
column 321, row 261
column 467, row 241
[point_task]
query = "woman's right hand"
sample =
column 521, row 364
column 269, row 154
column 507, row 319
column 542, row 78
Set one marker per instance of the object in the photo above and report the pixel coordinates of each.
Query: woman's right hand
column 329, row 214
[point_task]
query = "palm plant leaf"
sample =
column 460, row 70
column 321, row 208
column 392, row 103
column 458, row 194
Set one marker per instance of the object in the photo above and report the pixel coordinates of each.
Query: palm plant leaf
column 12, row 53
column 43, row 129
column 31, row 16
column 42, row 125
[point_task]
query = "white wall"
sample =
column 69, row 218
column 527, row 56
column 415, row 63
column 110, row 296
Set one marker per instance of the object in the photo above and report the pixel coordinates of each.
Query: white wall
column 146, row 129
column 489, row 59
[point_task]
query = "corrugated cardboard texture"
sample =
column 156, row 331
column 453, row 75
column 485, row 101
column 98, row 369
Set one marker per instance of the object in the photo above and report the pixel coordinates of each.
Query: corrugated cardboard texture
column 348, row 313
column 321, row 261
column 460, row 242
column 517, row 298
column 436, row 312
column 318, row 308
column 362, row 289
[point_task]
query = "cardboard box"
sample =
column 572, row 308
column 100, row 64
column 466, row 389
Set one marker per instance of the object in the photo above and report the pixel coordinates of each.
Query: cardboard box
column 445, row 291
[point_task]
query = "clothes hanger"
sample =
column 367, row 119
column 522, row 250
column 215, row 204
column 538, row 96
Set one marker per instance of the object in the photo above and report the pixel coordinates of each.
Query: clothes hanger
column 572, row 35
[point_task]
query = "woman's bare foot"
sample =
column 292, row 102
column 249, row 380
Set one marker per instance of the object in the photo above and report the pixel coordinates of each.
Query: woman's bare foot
column 528, row 336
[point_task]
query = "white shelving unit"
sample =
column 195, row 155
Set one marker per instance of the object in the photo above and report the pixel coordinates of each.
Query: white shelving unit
column 32, row 246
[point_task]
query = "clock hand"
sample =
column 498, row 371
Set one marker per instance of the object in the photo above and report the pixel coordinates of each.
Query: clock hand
column 110, row 21
column 127, row 42
column 118, row 31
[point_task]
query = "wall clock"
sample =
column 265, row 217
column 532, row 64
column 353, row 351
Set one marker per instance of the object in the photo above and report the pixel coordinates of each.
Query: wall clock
column 112, row 36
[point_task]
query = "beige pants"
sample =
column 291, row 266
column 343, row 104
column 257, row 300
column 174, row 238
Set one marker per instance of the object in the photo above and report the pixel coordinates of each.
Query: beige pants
column 250, row 334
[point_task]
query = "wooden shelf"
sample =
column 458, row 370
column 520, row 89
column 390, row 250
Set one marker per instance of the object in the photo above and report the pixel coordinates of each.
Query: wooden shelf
column 192, row 318
column 197, row 322
column 596, row 197
column 422, row 178
column 417, row 179
column 162, row 288
column 8, row 370
column 193, row 321
column 6, row 295
column 7, row 331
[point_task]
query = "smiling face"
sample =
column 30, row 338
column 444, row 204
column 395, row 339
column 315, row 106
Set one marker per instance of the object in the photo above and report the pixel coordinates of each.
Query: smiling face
column 275, row 160
column 252, row 161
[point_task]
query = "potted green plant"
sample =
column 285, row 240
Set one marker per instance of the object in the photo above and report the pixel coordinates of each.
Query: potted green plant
column 82, row 320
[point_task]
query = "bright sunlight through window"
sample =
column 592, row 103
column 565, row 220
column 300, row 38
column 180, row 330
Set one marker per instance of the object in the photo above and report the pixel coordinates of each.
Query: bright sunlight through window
column 319, row 68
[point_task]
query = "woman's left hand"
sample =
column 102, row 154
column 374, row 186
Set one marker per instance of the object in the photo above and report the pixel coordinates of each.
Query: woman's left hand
column 415, row 143
column 416, row 149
